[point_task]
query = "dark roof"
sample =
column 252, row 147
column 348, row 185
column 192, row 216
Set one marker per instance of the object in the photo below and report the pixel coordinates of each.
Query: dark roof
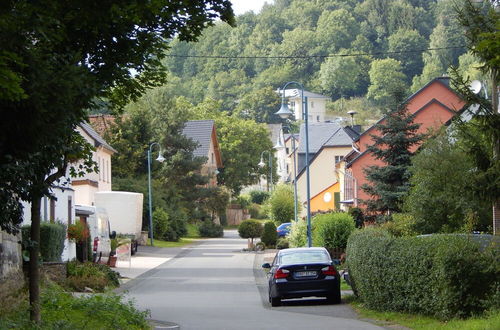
column 199, row 131
column 319, row 134
column 98, row 140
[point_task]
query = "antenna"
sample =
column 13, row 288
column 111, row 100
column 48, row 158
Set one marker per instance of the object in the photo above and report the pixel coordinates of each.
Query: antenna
column 475, row 86
column 352, row 113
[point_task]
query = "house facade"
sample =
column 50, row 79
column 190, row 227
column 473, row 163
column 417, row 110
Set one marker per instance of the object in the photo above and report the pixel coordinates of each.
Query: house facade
column 433, row 105
column 204, row 133
column 316, row 105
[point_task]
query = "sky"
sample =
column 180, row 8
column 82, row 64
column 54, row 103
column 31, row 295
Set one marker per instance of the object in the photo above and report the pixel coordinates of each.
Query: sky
column 242, row 6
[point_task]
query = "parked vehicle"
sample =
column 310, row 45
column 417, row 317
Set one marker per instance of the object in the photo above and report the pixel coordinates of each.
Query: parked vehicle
column 97, row 221
column 303, row 272
column 283, row 229
column 125, row 213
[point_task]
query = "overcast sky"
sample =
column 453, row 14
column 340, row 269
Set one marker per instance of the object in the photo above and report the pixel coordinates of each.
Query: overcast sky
column 242, row 6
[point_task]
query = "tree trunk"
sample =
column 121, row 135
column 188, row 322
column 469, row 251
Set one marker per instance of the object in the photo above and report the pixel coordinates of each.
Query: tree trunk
column 34, row 272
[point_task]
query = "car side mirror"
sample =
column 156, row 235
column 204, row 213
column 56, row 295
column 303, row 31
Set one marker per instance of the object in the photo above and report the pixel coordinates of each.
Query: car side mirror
column 266, row 265
column 112, row 235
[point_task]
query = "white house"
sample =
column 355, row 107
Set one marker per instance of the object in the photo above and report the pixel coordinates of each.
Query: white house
column 316, row 104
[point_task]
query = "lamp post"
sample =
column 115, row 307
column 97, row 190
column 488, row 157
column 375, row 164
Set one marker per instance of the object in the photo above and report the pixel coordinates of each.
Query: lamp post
column 262, row 164
column 280, row 146
column 284, row 112
column 161, row 159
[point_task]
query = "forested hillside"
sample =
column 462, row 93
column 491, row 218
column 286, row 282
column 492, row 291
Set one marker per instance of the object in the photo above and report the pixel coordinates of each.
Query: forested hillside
column 342, row 48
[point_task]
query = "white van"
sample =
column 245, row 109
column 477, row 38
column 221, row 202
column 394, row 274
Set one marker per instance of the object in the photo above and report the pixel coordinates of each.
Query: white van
column 100, row 235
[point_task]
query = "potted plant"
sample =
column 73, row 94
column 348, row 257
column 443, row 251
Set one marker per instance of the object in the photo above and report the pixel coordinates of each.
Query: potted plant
column 112, row 255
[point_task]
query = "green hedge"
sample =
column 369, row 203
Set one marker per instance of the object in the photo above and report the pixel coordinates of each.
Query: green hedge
column 52, row 236
column 208, row 228
column 331, row 230
column 269, row 236
column 444, row 276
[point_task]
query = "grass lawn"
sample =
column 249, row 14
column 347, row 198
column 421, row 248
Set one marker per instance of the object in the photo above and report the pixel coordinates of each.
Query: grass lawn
column 166, row 244
column 488, row 321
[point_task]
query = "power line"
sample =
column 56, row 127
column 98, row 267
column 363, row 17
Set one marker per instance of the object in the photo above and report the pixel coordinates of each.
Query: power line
column 315, row 56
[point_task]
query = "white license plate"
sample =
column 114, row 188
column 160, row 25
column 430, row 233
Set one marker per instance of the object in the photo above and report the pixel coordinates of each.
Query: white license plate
column 305, row 274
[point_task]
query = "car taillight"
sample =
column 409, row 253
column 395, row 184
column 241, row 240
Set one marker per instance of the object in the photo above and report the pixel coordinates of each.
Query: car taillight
column 329, row 270
column 281, row 273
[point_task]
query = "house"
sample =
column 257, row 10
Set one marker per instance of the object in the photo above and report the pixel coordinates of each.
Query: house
column 204, row 133
column 329, row 143
column 316, row 104
column 85, row 187
column 434, row 104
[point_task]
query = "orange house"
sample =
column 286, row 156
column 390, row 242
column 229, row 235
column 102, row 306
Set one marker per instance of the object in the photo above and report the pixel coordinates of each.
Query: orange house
column 434, row 104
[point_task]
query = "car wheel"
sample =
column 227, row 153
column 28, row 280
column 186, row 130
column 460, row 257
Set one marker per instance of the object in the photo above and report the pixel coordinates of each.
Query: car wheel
column 334, row 298
column 275, row 302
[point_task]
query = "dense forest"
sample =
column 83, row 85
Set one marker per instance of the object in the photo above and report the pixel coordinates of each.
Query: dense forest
column 350, row 49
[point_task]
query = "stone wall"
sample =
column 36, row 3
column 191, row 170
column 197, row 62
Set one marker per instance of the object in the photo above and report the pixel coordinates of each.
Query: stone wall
column 10, row 254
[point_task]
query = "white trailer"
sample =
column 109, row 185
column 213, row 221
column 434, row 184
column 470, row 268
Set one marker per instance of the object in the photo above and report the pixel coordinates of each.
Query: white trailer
column 125, row 213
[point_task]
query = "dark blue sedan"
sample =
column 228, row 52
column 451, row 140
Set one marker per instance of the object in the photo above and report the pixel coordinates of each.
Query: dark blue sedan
column 283, row 229
column 303, row 272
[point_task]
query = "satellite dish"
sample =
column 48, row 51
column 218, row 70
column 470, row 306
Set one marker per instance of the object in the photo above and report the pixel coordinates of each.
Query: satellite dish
column 475, row 86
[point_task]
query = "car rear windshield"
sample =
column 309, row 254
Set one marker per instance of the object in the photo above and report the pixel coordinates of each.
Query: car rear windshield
column 304, row 257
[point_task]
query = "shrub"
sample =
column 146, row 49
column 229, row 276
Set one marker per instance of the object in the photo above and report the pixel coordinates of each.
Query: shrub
column 210, row 229
column 357, row 215
column 332, row 230
column 402, row 224
column 282, row 243
column 298, row 234
column 52, row 236
column 258, row 196
column 444, row 276
column 254, row 210
column 95, row 276
column 281, row 204
column 160, row 223
column 78, row 232
column 250, row 229
column 242, row 200
column 269, row 236
column 176, row 225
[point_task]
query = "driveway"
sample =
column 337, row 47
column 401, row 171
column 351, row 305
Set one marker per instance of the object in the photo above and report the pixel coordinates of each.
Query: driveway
column 215, row 285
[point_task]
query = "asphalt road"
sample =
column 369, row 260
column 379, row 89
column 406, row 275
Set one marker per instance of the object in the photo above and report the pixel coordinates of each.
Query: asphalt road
column 215, row 285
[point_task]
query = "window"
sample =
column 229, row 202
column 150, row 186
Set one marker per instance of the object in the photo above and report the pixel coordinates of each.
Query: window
column 338, row 159
column 212, row 158
column 292, row 104
column 99, row 164
column 70, row 210
column 312, row 104
column 287, row 150
column 317, row 118
column 108, row 171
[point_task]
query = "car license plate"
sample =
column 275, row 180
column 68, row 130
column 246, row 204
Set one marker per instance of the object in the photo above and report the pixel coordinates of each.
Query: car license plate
column 305, row 274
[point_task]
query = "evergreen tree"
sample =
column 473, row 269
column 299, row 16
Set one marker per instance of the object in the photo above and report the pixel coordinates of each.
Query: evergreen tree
column 397, row 135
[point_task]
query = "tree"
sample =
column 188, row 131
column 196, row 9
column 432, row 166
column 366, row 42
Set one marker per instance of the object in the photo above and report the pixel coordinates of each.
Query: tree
column 437, row 199
column 482, row 27
column 386, row 78
column 260, row 106
column 58, row 57
column 281, row 204
column 404, row 41
column 250, row 229
column 389, row 183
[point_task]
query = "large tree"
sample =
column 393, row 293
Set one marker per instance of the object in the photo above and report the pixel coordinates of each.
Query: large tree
column 58, row 57
column 393, row 143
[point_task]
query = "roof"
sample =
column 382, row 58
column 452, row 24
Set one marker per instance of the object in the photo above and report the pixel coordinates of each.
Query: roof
column 319, row 134
column 98, row 140
column 102, row 122
column 294, row 93
column 199, row 131
column 288, row 136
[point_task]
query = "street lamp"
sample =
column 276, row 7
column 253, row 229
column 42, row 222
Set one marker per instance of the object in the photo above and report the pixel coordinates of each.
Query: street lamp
column 262, row 164
column 284, row 112
column 280, row 146
column 161, row 159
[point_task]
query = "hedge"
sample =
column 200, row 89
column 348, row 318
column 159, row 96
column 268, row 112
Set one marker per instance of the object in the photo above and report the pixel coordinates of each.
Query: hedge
column 52, row 236
column 269, row 236
column 331, row 230
column 444, row 276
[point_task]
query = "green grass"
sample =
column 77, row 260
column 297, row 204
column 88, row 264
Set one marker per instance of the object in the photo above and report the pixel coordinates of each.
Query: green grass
column 166, row 244
column 488, row 321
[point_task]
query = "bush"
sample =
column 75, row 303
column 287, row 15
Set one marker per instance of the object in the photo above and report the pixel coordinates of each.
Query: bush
column 176, row 225
column 357, row 215
column 160, row 223
column 250, row 229
column 52, row 236
column 332, row 230
column 95, row 276
column 281, row 202
column 210, row 229
column 444, row 276
column 298, row 234
column 402, row 224
column 255, row 213
column 258, row 196
column 242, row 200
column 78, row 232
column 269, row 236
column 282, row 243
